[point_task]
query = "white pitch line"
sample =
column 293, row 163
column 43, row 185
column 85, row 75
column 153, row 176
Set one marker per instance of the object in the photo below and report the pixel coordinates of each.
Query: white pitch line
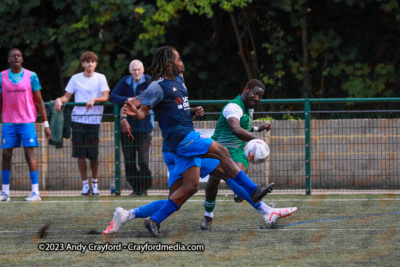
column 199, row 200
column 195, row 230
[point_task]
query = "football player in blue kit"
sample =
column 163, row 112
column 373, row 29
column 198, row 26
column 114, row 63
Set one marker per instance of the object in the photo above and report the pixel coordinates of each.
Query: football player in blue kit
column 167, row 96
column 208, row 166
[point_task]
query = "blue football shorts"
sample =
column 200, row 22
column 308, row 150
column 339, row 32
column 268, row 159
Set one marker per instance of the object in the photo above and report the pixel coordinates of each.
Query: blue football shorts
column 15, row 133
column 194, row 144
column 206, row 166
column 188, row 153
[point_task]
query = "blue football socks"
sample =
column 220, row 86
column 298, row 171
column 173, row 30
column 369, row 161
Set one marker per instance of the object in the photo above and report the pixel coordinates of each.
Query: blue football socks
column 5, row 176
column 244, row 181
column 165, row 211
column 241, row 192
column 149, row 209
column 34, row 177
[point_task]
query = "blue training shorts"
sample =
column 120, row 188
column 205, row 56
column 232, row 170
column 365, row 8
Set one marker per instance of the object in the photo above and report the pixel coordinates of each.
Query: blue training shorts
column 14, row 133
column 206, row 165
column 194, row 144
column 188, row 153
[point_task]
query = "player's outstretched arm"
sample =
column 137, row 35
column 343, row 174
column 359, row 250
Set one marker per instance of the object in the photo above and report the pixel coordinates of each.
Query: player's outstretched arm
column 239, row 132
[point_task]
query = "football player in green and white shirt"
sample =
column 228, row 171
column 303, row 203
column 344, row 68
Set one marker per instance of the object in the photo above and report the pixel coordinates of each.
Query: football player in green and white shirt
column 233, row 131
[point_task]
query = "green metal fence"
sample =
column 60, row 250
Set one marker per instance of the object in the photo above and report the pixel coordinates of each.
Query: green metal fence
column 311, row 150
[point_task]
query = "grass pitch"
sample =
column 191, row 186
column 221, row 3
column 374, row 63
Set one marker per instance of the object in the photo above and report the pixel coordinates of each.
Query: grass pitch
column 338, row 230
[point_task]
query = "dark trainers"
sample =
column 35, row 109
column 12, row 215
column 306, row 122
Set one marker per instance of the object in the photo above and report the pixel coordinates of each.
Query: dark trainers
column 237, row 199
column 153, row 227
column 260, row 192
column 206, row 223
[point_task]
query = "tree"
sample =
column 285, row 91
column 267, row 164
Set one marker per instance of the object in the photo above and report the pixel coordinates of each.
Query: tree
column 334, row 48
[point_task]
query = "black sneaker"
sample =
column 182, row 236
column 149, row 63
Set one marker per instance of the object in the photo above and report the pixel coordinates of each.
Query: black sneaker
column 206, row 223
column 260, row 192
column 153, row 227
column 237, row 199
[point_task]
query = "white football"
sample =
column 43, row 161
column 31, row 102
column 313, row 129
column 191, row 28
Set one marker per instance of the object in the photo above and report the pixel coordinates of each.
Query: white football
column 256, row 151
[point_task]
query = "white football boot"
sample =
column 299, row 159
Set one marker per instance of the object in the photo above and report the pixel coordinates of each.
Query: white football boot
column 4, row 197
column 33, row 197
column 120, row 218
column 274, row 214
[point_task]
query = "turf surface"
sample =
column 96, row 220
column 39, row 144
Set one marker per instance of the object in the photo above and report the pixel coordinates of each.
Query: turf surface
column 337, row 230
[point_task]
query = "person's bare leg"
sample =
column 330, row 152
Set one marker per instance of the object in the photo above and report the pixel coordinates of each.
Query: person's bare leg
column 190, row 185
column 30, row 159
column 213, row 182
column 5, row 173
column 94, row 166
column 33, row 170
column 222, row 154
column 211, row 195
column 83, row 171
column 82, row 168
column 6, row 155
column 232, row 171
column 175, row 186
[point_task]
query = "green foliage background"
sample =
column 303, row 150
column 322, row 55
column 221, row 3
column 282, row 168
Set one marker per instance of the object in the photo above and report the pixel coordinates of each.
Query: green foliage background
column 318, row 49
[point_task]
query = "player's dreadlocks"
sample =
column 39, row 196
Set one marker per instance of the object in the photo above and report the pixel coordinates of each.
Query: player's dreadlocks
column 160, row 63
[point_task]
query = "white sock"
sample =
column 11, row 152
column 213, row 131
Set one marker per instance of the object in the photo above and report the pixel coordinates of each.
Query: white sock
column 94, row 183
column 6, row 188
column 264, row 208
column 85, row 183
column 131, row 215
column 209, row 214
column 35, row 188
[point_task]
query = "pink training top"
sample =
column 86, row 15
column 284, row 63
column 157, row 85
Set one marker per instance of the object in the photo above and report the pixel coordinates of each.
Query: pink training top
column 19, row 104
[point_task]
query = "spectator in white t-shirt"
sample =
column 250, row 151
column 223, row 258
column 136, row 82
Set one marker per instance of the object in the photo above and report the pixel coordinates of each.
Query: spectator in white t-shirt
column 90, row 87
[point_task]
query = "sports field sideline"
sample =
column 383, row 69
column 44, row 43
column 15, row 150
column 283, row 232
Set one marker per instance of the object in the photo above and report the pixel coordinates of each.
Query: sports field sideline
column 335, row 230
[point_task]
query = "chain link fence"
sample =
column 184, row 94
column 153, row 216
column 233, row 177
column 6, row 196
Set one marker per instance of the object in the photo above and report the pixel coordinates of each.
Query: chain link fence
column 310, row 151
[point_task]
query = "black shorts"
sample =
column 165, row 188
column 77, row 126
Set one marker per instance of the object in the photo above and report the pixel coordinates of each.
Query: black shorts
column 85, row 140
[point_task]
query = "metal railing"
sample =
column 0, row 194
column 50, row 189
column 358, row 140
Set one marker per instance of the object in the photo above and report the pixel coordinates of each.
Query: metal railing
column 311, row 150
